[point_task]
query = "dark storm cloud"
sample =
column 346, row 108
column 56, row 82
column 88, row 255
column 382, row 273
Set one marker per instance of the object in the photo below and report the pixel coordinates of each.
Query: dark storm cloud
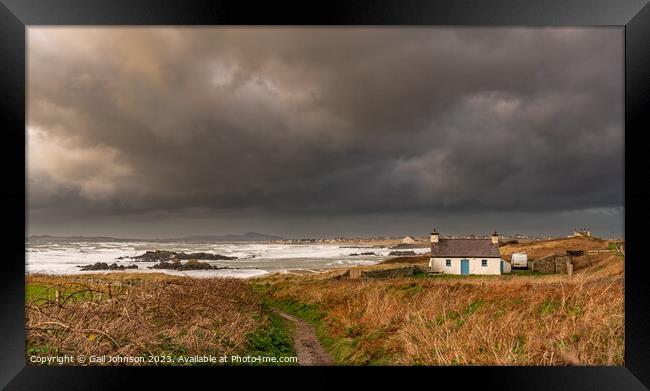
column 324, row 121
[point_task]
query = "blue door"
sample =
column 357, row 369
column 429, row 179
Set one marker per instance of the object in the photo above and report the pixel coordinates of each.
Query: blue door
column 464, row 266
column 501, row 267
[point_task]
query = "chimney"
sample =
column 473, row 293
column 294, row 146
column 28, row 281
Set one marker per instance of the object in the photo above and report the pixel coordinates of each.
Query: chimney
column 434, row 236
column 495, row 238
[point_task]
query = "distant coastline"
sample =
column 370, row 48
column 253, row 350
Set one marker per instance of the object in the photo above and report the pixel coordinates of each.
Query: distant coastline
column 247, row 237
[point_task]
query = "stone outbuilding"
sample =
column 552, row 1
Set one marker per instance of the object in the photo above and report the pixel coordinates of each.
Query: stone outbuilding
column 559, row 264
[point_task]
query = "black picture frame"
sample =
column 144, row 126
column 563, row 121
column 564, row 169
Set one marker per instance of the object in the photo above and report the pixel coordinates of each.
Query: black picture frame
column 632, row 15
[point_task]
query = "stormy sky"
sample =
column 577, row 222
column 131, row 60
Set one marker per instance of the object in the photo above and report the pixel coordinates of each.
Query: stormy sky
column 159, row 132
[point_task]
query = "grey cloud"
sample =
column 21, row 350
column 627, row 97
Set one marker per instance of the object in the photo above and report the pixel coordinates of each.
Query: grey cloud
column 323, row 121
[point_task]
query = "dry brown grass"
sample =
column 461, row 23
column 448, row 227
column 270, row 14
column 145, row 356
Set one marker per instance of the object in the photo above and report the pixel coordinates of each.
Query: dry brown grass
column 448, row 320
column 535, row 249
column 100, row 278
column 542, row 248
column 424, row 258
column 443, row 320
column 154, row 316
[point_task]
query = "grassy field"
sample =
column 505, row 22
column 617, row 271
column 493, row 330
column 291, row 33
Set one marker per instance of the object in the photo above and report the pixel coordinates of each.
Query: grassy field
column 150, row 316
column 523, row 318
column 519, row 319
column 541, row 248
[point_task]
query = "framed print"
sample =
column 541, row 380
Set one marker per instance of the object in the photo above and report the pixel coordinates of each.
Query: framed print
column 448, row 188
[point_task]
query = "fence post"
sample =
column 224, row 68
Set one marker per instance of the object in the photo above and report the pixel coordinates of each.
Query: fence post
column 569, row 269
column 57, row 297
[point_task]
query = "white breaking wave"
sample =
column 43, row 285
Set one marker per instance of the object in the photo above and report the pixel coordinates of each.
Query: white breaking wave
column 61, row 257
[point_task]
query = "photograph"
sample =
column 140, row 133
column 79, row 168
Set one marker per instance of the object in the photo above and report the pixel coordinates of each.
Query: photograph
column 325, row 195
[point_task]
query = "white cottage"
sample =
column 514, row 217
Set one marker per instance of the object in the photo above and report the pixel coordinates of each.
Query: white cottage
column 467, row 256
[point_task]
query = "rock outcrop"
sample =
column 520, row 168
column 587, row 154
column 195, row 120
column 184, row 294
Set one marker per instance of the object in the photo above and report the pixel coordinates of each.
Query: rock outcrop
column 169, row 256
column 401, row 253
column 192, row 264
column 407, row 245
column 360, row 254
column 105, row 266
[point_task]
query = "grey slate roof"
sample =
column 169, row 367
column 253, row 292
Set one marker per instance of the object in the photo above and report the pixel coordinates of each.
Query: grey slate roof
column 465, row 248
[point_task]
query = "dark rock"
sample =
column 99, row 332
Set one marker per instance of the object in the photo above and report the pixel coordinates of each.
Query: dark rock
column 166, row 256
column 575, row 253
column 366, row 253
column 192, row 264
column 407, row 245
column 105, row 266
column 401, row 253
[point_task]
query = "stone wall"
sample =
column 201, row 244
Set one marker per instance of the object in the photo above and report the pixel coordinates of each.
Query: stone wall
column 544, row 265
column 561, row 264
column 389, row 273
column 407, row 271
column 551, row 264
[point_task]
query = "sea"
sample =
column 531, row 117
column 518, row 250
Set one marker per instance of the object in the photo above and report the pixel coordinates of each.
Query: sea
column 62, row 256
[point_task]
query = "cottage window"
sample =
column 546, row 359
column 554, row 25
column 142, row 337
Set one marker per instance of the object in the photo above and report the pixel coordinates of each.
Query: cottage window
column 448, row 263
column 484, row 263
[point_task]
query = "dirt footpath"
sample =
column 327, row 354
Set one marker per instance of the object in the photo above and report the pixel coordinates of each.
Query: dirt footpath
column 305, row 342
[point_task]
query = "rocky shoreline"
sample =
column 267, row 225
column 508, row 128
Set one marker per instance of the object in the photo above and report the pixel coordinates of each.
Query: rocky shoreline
column 192, row 264
column 402, row 253
column 360, row 254
column 170, row 260
column 170, row 256
column 105, row 266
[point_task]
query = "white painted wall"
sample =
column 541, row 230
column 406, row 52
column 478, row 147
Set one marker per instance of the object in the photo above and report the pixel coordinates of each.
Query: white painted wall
column 438, row 265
